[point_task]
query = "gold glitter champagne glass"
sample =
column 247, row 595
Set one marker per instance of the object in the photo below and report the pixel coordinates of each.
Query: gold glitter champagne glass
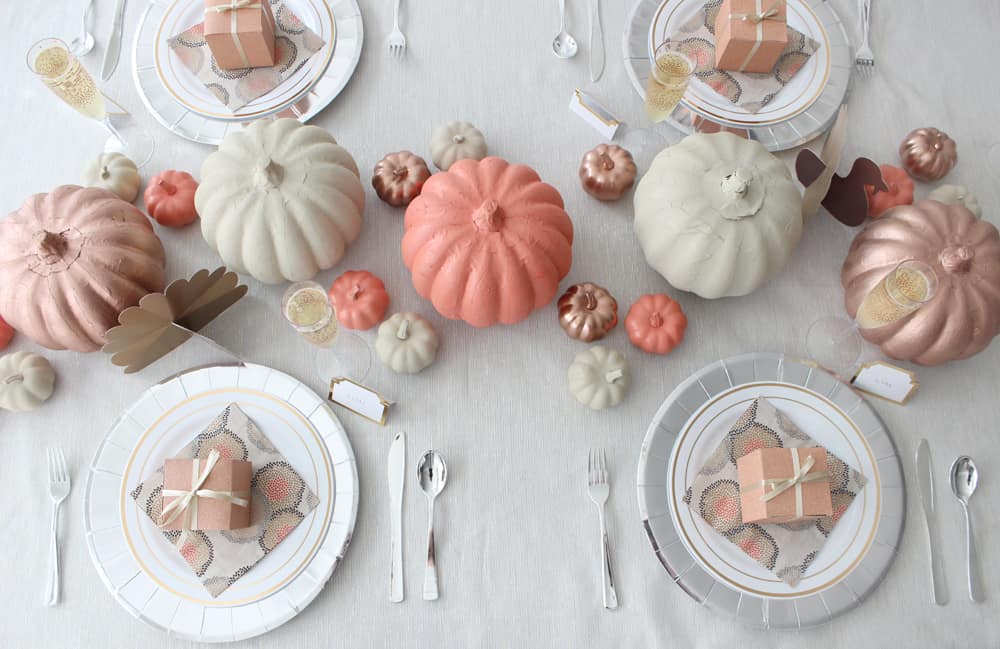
column 836, row 343
column 669, row 75
column 55, row 65
column 306, row 306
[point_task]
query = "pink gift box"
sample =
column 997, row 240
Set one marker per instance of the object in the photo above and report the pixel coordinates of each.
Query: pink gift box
column 240, row 33
column 213, row 514
column 750, row 35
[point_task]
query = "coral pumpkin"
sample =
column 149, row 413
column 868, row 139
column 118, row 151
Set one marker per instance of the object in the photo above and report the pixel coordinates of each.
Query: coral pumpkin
column 900, row 191
column 6, row 333
column 359, row 298
column 169, row 198
column 487, row 242
column 656, row 324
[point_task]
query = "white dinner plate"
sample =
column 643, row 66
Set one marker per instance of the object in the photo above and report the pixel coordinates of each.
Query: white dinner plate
column 179, row 101
column 688, row 428
column 144, row 571
column 800, row 111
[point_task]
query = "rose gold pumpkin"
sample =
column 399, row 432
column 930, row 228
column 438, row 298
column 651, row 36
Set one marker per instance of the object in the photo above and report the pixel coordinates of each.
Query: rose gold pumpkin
column 928, row 154
column 587, row 312
column 607, row 171
column 71, row 261
column 399, row 177
column 964, row 251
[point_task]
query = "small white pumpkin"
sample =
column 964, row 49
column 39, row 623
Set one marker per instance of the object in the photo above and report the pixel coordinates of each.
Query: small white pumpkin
column 456, row 141
column 406, row 343
column 280, row 200
column 114, row 172
column 957, row 195
column 26, row 381
column 717, row 215
column 599, row 377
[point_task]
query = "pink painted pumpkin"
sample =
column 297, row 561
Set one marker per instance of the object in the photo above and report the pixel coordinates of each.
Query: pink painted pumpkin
column 487, row 242
column 900, row 191
column 6, row 333
column 963, row 316
column 71, row 261
column 656, row 324
column 169, row 198
column 359, row 298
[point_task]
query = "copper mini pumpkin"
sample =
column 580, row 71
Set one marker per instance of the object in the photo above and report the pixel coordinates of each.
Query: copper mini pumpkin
column 928, row 154
column 399, row 177
column 607, row 171
column 587, row 312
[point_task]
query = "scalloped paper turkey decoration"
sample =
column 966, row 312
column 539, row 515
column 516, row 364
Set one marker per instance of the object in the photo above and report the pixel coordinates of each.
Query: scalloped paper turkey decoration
column 164, row 321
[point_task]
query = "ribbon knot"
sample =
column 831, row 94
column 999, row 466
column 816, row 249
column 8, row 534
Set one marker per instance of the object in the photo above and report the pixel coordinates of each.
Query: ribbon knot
column 771, row 13
column 235, row 5
column 774, row 487
column 186, row 500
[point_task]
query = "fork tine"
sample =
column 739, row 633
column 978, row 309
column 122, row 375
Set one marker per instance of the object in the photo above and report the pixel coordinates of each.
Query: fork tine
column 604, row 465
column 590, row 467
column 48, row 462
column 63, row 472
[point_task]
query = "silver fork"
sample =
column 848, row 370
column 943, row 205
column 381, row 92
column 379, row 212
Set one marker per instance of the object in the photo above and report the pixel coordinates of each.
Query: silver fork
column 864, row 59
column 597, row 487
column 58, row 490
column 397, row 42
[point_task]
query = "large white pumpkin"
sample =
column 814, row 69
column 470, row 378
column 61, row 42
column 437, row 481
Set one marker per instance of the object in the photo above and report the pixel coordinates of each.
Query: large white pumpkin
column 280, row 200
column 717, row 215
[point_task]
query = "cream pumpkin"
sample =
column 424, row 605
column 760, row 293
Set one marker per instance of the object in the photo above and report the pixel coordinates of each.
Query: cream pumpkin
column 71, row 261
column 599, row 377
column 114, row 172
column 280, row 200
column 456, row 141
column 26, row 381
column 487, row 242
column 717, row 215
column 406, row 343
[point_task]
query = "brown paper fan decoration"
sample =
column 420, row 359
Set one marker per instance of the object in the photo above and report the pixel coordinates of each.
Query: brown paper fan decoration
column 162, row 322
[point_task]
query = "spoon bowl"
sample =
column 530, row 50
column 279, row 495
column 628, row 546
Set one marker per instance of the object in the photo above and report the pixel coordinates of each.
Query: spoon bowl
column 82, row 45
column 964, row 478
column 432, row 473
column 564, row 45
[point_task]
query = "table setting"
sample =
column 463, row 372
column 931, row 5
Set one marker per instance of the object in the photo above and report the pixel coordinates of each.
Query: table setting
column 325, row 321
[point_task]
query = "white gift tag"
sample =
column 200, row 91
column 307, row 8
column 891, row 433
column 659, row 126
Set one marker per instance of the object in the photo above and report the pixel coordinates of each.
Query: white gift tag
column 886, row 381
column 360, row 400
column 594, row 114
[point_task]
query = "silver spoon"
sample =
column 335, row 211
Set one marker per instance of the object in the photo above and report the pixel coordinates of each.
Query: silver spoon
column 964, row 478
column 83, row 43
column 432, row 474
column 564, row 45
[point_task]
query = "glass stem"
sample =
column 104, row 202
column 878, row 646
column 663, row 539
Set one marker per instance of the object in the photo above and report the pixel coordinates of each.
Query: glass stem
column 113, row 131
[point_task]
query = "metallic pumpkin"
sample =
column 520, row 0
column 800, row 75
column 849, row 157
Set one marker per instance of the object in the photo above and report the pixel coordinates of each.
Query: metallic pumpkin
column 587, row 312
column 399, row 177
column 963, row 316
column 928, row 154
column 607, row 171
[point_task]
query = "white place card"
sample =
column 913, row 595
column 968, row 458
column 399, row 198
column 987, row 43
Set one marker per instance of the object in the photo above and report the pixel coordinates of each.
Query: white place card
column 886, row 381
column 594, row 114
column 360, row 399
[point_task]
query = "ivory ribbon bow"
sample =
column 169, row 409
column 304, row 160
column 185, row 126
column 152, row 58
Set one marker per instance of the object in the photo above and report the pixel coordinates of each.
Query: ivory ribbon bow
column 758, row 17
column 800, row 475
column 186, row 500
column 233, row 8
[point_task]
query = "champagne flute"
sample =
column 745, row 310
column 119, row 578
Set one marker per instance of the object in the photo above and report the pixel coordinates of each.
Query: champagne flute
column 51, row 61
column 669, row 74
column 836, row 342
column 306, row 306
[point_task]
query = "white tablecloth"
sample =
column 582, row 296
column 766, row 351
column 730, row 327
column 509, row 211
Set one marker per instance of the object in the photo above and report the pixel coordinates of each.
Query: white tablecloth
column 517, row 543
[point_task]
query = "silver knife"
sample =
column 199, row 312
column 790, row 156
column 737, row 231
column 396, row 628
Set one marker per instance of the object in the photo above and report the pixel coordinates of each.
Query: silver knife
column 925, row 485
column 397, row 471
column 112, row 54
column 596, row 41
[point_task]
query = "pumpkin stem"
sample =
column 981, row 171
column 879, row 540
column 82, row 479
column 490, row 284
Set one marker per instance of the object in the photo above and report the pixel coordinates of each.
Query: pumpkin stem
column 355, row 292
column 606, row 162
column 400, row 173
column 170, row 188
column 614, row 375
column 403, row 332
column 14, row 378
column 957, row 259
column 51, row 245
column 656, row 320
column 458, row 138
column 105, row 172
column 488, row 216
column 268, row 174
column 735, row 184
column 591, row 301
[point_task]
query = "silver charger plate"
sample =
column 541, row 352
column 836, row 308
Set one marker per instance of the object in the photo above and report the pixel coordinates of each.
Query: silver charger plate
column 802, row 125
column 810, row 607
column 171, row 96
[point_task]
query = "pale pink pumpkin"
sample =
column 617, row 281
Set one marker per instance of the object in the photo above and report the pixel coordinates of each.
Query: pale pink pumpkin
column 487, row 242
column 71, row 261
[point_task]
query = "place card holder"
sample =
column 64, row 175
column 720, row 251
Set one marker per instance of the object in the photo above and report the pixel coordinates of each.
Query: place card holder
column 359, row 399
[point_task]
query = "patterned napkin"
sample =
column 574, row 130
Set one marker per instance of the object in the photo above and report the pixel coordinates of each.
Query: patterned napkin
column 294, row 46
column 748, row 90
column 786, row 549
column 280, row 501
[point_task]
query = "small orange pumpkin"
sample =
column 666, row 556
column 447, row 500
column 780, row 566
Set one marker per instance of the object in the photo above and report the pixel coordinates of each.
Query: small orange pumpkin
column 656, row 323
column 900, row 191
column 169, row 198
column 6, row 333
column 359, row 298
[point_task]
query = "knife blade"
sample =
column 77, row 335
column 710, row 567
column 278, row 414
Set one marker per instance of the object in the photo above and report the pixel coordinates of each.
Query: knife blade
column 596, row 42
column 397, row 473
column 112, row 54
column 925, row 487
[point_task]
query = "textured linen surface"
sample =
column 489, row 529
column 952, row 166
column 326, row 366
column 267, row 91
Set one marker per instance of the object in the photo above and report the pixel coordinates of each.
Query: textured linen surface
column 785, row 549
column 280, row 500
column 517, row 541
